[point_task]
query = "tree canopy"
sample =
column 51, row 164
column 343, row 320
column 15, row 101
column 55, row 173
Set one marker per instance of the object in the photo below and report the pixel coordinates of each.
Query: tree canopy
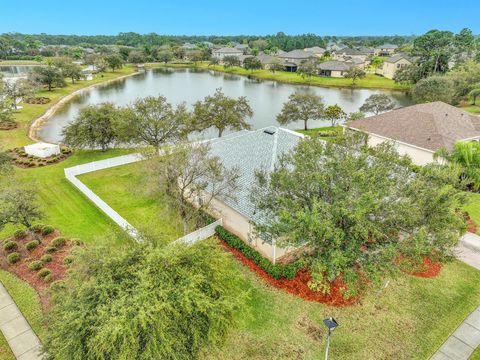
column 143, row 302
column 301, row 107
column 377, row 103
column 356, row 209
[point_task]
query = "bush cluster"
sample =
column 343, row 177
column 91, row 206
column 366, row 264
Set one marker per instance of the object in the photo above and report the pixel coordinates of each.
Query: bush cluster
column 32, row 245
column 46, row 258
column 19, row 234
column 35, row 265
column 44, row 273
column 277, row 271
column 37, row 228
column 9, row 245
column 50, row 249
column 13, row 258
column 58, row 242
column 68, row 260
column 47, row 230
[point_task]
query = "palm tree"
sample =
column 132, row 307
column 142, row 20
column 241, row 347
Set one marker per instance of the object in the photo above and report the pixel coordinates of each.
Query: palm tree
column 466, row 155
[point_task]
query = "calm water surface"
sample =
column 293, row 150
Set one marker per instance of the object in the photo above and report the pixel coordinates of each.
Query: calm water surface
column 190, row 85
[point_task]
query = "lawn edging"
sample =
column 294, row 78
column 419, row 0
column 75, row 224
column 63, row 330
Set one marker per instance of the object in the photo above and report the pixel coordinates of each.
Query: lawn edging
column 277, row 271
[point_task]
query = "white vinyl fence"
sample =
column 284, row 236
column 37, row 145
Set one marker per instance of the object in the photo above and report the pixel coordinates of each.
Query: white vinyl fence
column 72, row 173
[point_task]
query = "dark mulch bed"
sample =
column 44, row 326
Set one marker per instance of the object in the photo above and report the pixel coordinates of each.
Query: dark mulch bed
column 21, row 269
column 297, row 286
column 427, row 269
column 8, row 125
column 37, row 100
column 21, row 159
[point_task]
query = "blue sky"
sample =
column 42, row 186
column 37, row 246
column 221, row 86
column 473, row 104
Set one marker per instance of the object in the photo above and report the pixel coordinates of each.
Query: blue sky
column 205, row 17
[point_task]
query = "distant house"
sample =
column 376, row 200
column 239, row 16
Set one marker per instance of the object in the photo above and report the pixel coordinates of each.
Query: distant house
column 243, row 57
column 208, row 44
column 292, row 59
column 267, row 60
column 249, row 151
column 420, row 130
column 189, row 46
column 334, row 68
column 316, row 50
column 348, row 54
column 333, row 46
column 396, row 62
column 385, row 50
column 368, row 51
column 226, row 51
column 242, row 47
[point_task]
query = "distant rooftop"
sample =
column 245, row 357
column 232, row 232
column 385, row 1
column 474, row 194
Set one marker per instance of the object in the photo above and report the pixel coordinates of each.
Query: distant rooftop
column 430, row 126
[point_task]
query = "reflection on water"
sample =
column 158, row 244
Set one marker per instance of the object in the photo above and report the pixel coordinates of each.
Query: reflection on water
column 15, row 71
column 190, row 85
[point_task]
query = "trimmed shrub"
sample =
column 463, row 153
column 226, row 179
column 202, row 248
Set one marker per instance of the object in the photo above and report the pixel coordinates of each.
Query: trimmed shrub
column 32, row 245
column 9, row 245
column 37, row 227
column 48, row 278
column 68, row 260
column 50, row 249
column 35, row 265
column 19, row 234
column 44, row 272
column 47, row 230
column 277, row 271
column 46, row 258
column 58, row 242
column 13, row 258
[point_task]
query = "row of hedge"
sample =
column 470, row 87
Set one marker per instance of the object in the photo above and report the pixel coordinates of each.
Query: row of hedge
column 277, row 271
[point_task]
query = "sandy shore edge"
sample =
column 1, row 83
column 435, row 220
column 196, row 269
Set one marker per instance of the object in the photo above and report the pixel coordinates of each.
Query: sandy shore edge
column 40, row 121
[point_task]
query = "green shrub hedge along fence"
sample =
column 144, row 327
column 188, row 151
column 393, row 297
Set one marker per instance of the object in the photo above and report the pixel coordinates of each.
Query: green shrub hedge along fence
column 277, row 271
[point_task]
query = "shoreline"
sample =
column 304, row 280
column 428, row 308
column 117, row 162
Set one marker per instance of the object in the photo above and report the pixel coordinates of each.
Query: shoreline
column 41, row 120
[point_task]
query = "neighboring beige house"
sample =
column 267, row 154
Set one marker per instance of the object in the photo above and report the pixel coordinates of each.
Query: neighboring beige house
column 226, row 51
column 249, row 151
column 348, row 53
column 420, row 130
column 390, row 66
column 334, row 68
column 316, row 50
column 385, row 50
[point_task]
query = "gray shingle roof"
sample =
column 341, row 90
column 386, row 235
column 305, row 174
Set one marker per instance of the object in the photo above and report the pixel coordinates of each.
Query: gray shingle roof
column 297, row 54
column 227, row 50
column 335, row 65
column 430, row 126
column 393, row 59
column 250, row 151
column 387, row 46
column 315, row 50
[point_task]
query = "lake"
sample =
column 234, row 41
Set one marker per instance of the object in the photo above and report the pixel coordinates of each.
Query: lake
column 15, row 71
column 190, row 85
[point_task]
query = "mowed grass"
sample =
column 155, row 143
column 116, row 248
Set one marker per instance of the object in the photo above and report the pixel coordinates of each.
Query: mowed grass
column 25, row 116
column 371, row 81
column 474, row 109
column 125, row 189
column 473, row 208
column 326, row 132
column 28, row 302
column 409, row 319
column 66, row 208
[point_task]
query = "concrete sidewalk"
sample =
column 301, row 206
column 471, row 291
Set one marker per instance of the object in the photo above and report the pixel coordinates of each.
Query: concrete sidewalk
column 468, row 250
column 21, row 338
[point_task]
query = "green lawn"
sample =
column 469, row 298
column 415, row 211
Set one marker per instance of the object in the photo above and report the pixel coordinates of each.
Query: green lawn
column 123, row 188
column 474, row 109
column 323, row 132
column 410, row 319
column 63, row 205
column 29, row 112
column 27, row 301
column 370, row 81
column 473, row 208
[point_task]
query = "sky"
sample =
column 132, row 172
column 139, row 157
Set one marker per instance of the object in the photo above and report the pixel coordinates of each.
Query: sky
column 246, row 17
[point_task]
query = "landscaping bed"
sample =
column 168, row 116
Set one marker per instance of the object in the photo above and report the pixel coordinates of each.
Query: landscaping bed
column 21, row 159
column 41, row 100
column 8, row 125
column 39, row 257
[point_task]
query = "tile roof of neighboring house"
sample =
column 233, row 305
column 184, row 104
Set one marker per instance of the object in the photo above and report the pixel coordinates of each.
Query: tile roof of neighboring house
column 243, row 57
column 227, row 50
column 317, row 50
column 366, row 50
column 387, row 46
column 349, row 51
column 266, row 59
column 241, row 46
column 250, row 151
column 430, row 126
column 334, row 65
column 393, row 59
column 356, row 61
column 296, row 54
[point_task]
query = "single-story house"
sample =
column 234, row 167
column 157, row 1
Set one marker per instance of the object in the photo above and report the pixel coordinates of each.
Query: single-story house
column 333, row 46
column 242, row 47
column 243, row 57
column 249, row 151
column 226, row 51
column 390, row 66
column 334, row 68
column 420, row 130
column 42, row 150
column 385, row 50
column 316, row 50
column 268, row 60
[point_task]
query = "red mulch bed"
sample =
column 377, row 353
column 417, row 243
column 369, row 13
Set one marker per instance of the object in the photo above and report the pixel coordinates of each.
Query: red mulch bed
column 37, row 100
column 9, row 125
column 471, row 226
column 297, row 286
column 428, row 269
column 21, row 267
